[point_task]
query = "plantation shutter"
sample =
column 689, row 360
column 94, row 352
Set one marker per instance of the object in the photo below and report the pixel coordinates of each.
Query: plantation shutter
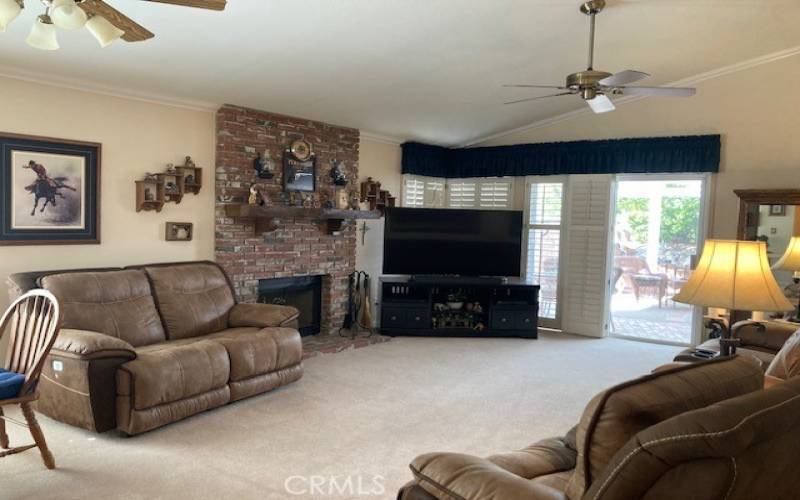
column 585, row 284
column 434, row 193
column 423, row 192
column 496, row 194
column 462, row 194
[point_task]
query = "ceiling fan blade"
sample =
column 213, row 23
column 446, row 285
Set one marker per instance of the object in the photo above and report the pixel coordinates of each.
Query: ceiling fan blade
column 658, row 91
column 601, row 104
column 535, row 87
column 133, row 32
column 200, row 4
column 540, row 97
column 623, row 78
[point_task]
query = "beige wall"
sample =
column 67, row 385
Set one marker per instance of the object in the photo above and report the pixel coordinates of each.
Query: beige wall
column 137, row 137
column 381, row 161
column 757, row 117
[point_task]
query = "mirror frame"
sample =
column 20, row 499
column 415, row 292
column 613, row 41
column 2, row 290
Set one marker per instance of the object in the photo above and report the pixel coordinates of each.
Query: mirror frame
column 749, row 197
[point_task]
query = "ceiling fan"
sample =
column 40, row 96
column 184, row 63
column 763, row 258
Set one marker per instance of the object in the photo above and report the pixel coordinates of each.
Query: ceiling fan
column 103, row 21
column 594, row 86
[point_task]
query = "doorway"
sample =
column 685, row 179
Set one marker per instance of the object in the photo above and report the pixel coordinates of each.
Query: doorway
column 659, row 225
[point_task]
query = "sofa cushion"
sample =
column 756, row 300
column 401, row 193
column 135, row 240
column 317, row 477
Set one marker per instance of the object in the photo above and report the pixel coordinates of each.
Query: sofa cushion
column 173, row 371
column 194, row 299
column 786, row 363
column 614, row 416
column 116, row 303
column 257, row 351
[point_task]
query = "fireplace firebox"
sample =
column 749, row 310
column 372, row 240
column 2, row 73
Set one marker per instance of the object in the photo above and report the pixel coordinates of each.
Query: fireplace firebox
column 302, row 292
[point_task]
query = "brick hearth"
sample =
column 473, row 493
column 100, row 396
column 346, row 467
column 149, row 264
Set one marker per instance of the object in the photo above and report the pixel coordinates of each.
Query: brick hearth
column 298, row 247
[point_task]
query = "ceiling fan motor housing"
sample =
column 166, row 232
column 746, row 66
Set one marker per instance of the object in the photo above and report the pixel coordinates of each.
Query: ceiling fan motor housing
column 586, row 82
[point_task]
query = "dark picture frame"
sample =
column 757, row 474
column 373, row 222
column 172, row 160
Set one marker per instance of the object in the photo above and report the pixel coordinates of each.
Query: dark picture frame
column 299, row 176
column 179, row 231
column 777, row 210
column 49, row 191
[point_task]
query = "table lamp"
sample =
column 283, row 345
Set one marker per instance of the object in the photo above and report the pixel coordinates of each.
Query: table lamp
column 734, row 275
column 791, row 262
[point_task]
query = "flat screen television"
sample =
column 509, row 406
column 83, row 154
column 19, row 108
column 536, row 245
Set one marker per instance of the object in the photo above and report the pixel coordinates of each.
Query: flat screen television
column 427, row 241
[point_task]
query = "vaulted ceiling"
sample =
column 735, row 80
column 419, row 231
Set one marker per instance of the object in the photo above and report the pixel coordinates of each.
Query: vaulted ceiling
column 428, row 70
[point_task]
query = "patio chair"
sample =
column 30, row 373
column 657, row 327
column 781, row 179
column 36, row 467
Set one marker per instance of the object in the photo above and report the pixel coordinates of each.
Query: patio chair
column 636, row 274
column 33, row 322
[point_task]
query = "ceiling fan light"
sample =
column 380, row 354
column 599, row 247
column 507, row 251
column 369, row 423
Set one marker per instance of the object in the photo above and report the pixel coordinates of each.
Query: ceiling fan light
column 66, row 14
column 9, row 10
column 105, row 32
column 43, row 34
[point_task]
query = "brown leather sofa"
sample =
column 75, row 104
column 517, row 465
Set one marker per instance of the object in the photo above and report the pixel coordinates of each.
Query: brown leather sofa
column 697, row 431
column 142, row 347
column 761, row 345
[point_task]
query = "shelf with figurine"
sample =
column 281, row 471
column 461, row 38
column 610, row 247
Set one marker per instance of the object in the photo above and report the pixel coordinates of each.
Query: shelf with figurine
column 170, row 186
column 378, row 199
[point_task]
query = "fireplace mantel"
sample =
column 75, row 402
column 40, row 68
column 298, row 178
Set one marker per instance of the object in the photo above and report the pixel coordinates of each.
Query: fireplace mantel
column 267, row 218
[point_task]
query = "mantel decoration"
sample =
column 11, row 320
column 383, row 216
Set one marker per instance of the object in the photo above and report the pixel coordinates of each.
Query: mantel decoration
column 263, row 167
column 50, row 191
column 299, row 168
column 103, row 21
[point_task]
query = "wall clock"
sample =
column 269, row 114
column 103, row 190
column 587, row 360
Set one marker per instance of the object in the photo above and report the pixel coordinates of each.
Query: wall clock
column 301, row 150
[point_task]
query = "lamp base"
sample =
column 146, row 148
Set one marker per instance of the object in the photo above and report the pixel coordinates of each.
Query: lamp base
column 729, row 341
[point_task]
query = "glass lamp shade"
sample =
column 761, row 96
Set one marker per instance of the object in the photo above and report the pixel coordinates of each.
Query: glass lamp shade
column 43, row 34
column 66, row 14
column 9, row 10
column 105, row 32
column 734, row 275
column 791, row 258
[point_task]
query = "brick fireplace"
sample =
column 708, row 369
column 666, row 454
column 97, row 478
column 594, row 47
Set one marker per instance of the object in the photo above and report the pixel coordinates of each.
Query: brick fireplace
column 298, row 247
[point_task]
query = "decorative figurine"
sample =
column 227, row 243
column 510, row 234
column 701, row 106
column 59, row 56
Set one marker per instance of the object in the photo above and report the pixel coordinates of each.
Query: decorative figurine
column 189, row 179
column 189, row 163
column 342, row 199
column 256, row 198
column 337, row 175
column 307, row 202
column 171, row 188
column 148, row 194
column 148, row 177
column 262, row 166
column 171, row 170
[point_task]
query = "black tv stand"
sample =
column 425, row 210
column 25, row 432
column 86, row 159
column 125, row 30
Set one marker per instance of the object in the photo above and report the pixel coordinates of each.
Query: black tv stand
column 451, row 306
column 456, row 280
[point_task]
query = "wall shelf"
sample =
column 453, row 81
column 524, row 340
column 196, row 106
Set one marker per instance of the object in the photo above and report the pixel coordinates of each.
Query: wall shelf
column 267, row 218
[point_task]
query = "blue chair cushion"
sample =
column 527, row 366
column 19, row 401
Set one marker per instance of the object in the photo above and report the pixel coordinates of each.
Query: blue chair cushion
column 10, row 383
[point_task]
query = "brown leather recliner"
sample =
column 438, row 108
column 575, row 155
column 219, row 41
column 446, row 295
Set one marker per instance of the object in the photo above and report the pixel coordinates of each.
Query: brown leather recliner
column 699, row 431
column 143, row 347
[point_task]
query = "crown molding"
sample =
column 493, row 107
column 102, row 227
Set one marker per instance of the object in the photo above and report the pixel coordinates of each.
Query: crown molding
column 96, row 88
column 692, row 80
column 384, row 139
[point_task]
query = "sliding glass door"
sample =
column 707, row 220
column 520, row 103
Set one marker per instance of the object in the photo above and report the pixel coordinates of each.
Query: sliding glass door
column 658, row 227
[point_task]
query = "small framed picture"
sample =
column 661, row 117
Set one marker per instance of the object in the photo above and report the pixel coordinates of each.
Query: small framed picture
column 49, row 191
column 299, row 175
column 778, row 210
column 179, row 231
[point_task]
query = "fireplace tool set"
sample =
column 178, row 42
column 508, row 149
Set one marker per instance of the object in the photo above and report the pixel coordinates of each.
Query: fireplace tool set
column 359, row 315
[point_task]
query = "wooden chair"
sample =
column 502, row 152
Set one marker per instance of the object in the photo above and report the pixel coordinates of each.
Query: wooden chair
column 33, row 321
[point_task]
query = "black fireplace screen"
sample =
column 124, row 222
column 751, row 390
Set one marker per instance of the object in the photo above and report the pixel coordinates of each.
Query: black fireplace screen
column 304, row 293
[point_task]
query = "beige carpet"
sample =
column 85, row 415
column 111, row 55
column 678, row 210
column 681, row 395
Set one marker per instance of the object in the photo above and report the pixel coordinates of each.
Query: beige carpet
column 362, row 414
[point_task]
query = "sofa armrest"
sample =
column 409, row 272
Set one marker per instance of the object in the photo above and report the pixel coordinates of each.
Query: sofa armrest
column 86, row 345
column 772, row 339
column 453, row 475
column 545, row 457
column 262, row 315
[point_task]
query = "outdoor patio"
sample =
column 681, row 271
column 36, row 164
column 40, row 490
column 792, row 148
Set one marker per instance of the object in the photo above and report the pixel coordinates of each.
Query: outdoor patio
column 672, row 322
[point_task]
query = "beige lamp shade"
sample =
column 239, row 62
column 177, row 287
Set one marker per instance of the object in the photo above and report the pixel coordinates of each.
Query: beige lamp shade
column 734, row 275
column 791, row 259
column 104, row 32
column 9, row 10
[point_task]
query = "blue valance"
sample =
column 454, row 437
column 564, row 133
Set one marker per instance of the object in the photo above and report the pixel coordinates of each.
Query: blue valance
column 654, row 155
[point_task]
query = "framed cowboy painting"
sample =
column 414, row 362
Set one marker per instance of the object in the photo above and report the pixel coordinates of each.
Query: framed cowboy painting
column 49, row 191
